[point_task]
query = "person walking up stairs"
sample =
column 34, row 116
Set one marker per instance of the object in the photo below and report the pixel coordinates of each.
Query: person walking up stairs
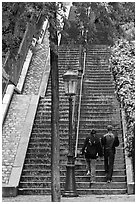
column 99, row 108
column 109, row 141
column 91, row 150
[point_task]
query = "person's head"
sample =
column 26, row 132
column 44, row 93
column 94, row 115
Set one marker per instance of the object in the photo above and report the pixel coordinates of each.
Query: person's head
column 93, row 132
column 109, row 128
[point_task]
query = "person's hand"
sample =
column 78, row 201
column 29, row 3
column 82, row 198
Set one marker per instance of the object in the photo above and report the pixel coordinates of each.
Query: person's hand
column 79, row 152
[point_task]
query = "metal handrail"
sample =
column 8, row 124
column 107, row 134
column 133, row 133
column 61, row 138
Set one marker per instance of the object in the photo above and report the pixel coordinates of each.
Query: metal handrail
column 79, row 107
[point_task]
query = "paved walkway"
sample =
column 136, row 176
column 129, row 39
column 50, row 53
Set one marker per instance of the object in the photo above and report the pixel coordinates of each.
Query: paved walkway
column 16, row 115
column 36, row 68
column 84, row 198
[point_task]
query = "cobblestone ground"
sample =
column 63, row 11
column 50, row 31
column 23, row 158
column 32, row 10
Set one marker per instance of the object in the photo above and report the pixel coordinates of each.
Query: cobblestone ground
column 11, row 131
column 36, row 68
column 92, row 198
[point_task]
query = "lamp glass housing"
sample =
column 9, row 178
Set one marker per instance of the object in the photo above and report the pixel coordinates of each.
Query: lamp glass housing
column 70, row 82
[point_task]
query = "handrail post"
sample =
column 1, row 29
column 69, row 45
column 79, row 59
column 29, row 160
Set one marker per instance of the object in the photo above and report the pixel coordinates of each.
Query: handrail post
column 79, row 102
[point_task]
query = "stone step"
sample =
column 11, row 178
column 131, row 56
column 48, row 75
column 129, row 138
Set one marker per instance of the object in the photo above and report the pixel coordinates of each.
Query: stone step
column 47, row 136
column 85, row 118
column 79, row 172
column 44, row 153
column 62, row 154
column 97, row 66
column 37, row 144
column 43, row 150
column 47, row 191
column 96, row 87
column 34, row 191
column 102, row 191
column 82, row 172
column 97, row 76
column 101, row 130
column 92, row 116
column 95, row 121
column 97, row 185
column 85, row 133
column 93, row 124
column 97, row 55
column 77, row 178
column 95, row 105
column 98, row 90
column 98, row 79
column 90, row 106
column 41, row 166
column 98, row 83
column 97, row 95
column 87, row 127
column 81, row 161
column 91, row 99
column 101, row 166
column 99, row 116
column 89, row 72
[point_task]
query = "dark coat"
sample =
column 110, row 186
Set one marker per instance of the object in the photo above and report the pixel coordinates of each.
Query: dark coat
column 114, row 144
column 91, row 147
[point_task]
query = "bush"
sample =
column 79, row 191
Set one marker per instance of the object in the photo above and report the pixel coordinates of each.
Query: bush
column 122, row 64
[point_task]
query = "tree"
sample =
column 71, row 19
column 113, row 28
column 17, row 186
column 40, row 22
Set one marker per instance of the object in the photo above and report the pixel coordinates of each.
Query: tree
column 15, row 16
column 100, row 18
column 55, row 142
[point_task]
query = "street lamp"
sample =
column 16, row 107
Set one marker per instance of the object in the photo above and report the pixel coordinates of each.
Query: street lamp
column 70, row 83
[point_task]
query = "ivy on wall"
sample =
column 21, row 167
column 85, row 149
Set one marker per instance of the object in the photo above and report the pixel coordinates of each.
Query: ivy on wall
column 122, row 64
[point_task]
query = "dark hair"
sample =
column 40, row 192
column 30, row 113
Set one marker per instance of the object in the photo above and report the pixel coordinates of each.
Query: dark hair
column 93, row 131
column 109, row 128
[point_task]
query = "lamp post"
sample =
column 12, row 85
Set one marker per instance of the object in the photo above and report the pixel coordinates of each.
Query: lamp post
column 70, row 84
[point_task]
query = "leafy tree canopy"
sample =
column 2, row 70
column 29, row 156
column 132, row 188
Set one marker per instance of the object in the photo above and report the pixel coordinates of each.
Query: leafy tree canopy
column 96, row 19
column 16, row 15
column 113, row 19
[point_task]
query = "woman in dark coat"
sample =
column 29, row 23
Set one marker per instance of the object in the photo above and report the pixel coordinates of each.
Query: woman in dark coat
column 92, row 149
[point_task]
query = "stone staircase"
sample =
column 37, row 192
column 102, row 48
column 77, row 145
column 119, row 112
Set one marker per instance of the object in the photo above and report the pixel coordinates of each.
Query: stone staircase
column 98, row 109
column 36, row 174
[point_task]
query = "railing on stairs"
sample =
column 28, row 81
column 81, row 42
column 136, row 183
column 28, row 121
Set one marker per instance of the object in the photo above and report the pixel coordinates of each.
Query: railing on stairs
column 77, row 119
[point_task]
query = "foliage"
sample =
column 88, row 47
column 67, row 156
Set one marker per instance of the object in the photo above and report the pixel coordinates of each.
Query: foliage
column 94, row 19
column 91, row 19
column 122, row 64
column 16, row 15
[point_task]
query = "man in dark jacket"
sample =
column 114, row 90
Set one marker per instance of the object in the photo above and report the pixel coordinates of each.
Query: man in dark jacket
column 109, row 142
column 92, row 149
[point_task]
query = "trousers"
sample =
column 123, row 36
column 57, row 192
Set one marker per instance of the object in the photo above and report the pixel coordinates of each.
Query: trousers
column 91, row 166
column 109, row 157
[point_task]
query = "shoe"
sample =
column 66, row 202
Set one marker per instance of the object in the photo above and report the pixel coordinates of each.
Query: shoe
column 108, row 181
column 88, row 173
column 106, row 173
column 92, row 182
